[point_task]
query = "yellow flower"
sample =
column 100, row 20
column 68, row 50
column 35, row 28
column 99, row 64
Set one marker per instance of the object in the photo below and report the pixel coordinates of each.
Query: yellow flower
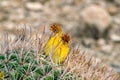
column 61, row 52
column 1, row 76
column 58, row 45
column 54, row 40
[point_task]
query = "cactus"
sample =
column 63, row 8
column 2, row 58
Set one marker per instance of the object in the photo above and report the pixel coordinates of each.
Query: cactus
column 23, row 59
column 24, row 66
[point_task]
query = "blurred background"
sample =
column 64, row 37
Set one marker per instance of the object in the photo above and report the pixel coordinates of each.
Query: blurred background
column 93, row 24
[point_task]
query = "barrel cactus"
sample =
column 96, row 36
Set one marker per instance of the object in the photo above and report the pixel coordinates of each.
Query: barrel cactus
column 17, row 65
column 23, row 59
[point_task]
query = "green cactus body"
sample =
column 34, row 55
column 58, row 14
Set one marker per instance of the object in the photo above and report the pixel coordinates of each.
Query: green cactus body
column 24, row 66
